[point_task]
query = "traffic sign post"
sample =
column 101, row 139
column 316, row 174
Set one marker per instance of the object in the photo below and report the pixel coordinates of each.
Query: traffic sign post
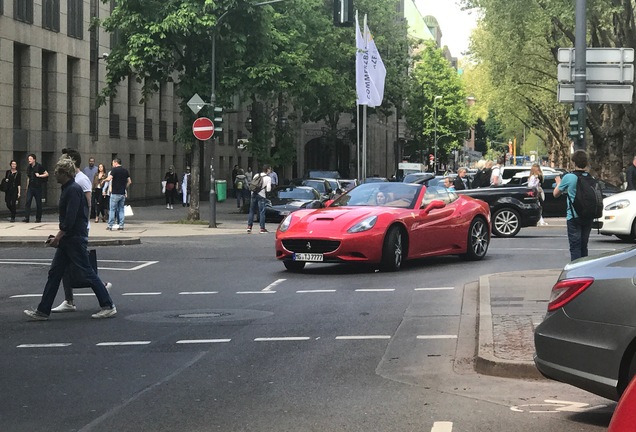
column 203, row 128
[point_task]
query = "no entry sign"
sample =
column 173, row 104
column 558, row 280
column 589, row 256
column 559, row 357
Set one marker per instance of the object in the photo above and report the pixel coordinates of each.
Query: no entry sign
column 203, row 128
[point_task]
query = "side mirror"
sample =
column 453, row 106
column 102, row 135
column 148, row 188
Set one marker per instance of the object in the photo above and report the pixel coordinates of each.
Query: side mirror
column 433, row 205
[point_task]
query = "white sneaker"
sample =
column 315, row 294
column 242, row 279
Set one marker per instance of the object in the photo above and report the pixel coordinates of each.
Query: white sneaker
column 168, row 206
column 64, row 307
column 106, row 312
column 108, row 287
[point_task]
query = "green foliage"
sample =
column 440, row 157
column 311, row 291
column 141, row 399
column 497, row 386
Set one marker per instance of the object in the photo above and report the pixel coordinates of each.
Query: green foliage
column 434, row 76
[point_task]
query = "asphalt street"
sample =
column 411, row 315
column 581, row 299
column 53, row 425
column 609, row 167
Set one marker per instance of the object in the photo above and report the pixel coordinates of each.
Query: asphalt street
column 213, row 334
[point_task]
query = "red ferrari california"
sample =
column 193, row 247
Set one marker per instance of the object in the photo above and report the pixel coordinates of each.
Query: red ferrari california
column 385, row 224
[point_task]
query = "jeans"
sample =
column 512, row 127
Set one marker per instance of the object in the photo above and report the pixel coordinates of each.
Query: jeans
column 257, row 202
column 72, row 250
column 578, row 236
column 117, row 202
column 33, row 193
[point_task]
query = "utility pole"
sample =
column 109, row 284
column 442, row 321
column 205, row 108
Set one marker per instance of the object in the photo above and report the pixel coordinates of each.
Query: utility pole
column 580, row 71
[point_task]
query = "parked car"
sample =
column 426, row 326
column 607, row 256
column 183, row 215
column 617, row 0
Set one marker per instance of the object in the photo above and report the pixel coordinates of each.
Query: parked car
column 557, row 207
column 385, row 224
column 619, row 216
column 588, row 337
column 511, row 208
column 417, row 177
column 287, row 199
column 321, row 185
column 508, row 172
column 375, row 180
column 348, row 184
column 323, row 174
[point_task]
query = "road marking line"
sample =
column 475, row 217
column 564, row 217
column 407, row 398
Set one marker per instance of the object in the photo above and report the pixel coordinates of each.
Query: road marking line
column 47, row 262
column 25, row 295
column 362, row 337
column 273, row 284
column 435, row 289
column 256, row 292
column 142, row 294
column 197, row 292
column 202, row 341
column 315, row 291
column 50, row 345
column 442, row 426
column 123, row 343
column 437, row 337
column 279, row 339
column 375, row 290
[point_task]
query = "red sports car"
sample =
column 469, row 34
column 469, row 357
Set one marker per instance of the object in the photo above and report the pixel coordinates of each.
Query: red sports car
column 385, row 224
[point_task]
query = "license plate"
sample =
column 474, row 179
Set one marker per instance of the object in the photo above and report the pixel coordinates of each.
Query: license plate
column 308, row 257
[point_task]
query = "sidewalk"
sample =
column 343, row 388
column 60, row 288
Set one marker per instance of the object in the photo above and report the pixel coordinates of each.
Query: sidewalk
column 511, row 304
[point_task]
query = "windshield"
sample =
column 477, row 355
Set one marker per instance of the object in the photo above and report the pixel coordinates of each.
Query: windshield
column 296, row 193
column 400, row 195
column 316, row 184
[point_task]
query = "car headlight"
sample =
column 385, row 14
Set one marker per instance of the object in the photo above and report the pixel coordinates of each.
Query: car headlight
column 284, row 225
column 621, row 204
column 364, row 225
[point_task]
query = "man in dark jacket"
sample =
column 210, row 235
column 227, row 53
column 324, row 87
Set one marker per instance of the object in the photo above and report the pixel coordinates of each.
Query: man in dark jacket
column 71, row 243
column 461, row 181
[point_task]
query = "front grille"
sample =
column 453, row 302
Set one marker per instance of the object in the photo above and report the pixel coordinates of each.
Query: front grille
column 311, row 246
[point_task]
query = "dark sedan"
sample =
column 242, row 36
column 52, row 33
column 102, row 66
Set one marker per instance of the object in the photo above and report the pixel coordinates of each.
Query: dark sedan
column 556, row 207
column 588, row 337
column 321, row 185
column 286, row 199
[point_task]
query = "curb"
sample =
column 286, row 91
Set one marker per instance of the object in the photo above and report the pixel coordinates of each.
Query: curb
column 91, row 242
column 486, row 363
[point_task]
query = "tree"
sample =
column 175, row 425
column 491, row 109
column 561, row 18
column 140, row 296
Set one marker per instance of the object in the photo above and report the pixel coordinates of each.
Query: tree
column 434, row 76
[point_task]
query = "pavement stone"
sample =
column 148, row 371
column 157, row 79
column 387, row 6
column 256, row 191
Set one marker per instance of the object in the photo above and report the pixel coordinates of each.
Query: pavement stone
column 511, row 304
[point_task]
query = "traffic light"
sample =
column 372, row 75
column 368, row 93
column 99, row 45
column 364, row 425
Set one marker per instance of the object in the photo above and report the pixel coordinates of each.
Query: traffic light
column 576, row 124
column 343, row 13
column 218, row 119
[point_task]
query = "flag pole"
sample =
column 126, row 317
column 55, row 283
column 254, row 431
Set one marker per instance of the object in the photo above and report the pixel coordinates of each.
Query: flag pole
column 364, row 116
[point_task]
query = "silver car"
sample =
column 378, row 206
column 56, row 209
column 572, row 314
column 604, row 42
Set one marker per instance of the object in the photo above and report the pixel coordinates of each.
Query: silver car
column 588, row 337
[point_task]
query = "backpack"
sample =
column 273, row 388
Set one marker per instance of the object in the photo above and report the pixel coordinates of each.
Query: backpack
column 239, row 185
column 256, row 185
column 588, row 200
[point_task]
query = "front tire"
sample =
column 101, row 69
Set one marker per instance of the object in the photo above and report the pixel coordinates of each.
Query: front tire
column 478, row 240
column 506, row 223
column 294, row 266
column 392, row 252
column 628, row 237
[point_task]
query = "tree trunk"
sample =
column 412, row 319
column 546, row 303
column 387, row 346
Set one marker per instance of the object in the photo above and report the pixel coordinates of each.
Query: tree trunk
column 193, row 212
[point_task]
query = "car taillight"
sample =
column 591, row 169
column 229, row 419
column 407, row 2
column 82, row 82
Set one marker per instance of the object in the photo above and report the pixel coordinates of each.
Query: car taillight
column 567, row 290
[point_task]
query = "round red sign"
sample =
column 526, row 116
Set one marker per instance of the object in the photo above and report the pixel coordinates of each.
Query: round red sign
column 203, row 128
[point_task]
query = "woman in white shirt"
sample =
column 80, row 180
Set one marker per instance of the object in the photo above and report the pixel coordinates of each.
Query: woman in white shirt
column 534, row 182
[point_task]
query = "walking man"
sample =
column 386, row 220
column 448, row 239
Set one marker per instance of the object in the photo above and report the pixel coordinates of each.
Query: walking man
column 578, row 228
column 36, row 177
column 258, row 200
column 90, row 171
column 71, row 243
column 120, row 180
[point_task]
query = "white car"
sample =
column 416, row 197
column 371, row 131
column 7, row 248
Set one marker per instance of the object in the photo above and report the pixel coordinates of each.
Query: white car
column 619, row 216
column 508, row 172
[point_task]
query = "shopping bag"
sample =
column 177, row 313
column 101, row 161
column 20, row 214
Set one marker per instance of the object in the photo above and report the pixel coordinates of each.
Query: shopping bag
column 72, row 276
column 128, row 211
column 163, row 186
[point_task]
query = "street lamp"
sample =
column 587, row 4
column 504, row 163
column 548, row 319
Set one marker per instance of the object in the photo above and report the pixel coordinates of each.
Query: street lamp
column 435, row 140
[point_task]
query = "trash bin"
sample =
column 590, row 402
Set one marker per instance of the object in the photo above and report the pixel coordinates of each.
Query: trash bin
column 221, row 190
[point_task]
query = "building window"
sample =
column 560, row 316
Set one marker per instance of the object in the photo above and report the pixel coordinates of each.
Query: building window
column 23, row 10
column 48, row 79
column 72, row 69
column 132, row 120
column 113, row 119
column 75, row 18
column 2, row 10
column 19, row 53
column 51, row 15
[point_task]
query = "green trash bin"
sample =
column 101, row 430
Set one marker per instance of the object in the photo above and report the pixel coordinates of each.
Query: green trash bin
column 221, row 190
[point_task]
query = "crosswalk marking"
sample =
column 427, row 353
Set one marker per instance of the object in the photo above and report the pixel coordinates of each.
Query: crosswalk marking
column 442, row 426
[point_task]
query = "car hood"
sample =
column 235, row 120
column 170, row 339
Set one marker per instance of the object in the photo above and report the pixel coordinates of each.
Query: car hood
column 334, row 219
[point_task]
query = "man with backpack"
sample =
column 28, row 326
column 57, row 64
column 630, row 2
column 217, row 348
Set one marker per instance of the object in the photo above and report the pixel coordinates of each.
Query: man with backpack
column 261, row 184
column 584, row 203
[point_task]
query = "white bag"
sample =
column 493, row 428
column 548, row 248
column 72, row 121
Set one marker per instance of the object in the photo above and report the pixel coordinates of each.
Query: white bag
column 163, row 186
column 128, row 211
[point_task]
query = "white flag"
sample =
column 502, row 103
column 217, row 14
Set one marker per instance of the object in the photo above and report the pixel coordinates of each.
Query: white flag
column 376, row 69
column 365, row 88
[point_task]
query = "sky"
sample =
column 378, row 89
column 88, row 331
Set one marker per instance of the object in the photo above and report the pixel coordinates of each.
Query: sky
column 455, row 24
